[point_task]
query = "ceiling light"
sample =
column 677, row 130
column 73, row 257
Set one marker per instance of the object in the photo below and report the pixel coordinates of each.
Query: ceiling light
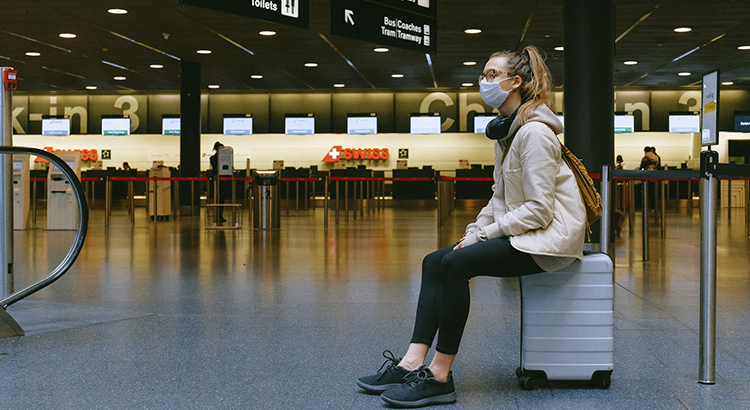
column 311, row 64
column 559, row 48
column 156, row 66
column 213, row 86
column 339, row 85
column 397, row 75
column 120, row 78
column 33, row 53
column 381, row 49
column 727, row 83
column 631, row 62
column 91, row 87
column 267, row 33
column 743, row 48
column 117, row 11
column 256, row 76
column 683, row 30
column 467, row 84
column 203, row 51
column 472, row 31
column 683, row 74
column 67, row 35
column 470, row 63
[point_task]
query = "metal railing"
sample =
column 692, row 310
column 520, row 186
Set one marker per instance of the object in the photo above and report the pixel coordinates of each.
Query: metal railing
column 83, row 223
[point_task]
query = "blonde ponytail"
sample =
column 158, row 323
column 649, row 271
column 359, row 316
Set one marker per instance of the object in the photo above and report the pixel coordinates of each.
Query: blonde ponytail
column 537, row 82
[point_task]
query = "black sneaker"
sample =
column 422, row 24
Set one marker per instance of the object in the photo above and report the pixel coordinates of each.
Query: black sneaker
column 421, row 389
column 392, row 376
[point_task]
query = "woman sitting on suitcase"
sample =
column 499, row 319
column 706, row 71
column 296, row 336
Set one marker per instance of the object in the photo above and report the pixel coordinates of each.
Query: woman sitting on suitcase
column 534, row 222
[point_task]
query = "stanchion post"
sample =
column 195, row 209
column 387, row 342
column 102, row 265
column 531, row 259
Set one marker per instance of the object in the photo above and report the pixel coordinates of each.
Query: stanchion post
column 747, row 208
column 631, row 207
column 644, row 219
column 606, row 188
column 33, row 202
column 663, row 209
column 708, row 184
column 131, row 201
column 337, row 202
column 107, row 201
column 325, row 202
column 6, row 187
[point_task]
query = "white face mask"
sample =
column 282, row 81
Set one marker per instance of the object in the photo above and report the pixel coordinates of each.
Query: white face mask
column 492, row 94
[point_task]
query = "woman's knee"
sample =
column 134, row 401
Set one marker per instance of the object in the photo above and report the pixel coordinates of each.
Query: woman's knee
column 454, row 266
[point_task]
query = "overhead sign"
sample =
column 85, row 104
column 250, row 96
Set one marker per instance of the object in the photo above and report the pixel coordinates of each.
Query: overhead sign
column 428, row 7
column 291, row 12
column 384, row 25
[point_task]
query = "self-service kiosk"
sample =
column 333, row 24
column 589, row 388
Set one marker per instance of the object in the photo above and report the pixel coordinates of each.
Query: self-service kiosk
column 61, row 201
column 21, row 192
column 159, row 192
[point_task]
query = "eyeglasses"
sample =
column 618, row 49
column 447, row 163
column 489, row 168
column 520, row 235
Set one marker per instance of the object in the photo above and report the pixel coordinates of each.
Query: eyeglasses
column 491, row 74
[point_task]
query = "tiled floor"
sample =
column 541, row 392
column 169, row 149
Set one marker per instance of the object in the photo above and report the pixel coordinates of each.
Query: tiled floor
column 167, row 315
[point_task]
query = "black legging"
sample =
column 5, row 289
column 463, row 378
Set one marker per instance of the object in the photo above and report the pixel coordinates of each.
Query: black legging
column 444, row 295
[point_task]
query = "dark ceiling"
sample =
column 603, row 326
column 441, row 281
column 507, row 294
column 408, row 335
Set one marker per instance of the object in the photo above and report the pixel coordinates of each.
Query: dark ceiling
column 164, row 32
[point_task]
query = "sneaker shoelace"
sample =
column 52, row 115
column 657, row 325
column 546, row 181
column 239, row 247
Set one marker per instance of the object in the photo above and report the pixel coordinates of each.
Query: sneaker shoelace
column 416, row 378
column 391, row 360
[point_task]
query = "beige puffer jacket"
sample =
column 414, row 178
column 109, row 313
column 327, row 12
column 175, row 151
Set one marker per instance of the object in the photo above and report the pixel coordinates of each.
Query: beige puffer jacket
column 535, row 198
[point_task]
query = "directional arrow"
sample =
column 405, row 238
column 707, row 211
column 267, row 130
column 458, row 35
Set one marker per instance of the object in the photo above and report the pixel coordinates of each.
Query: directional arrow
column 349, row 16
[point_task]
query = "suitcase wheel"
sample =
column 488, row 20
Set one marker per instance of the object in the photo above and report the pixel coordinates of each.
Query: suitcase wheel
column 527, row 382
column 601, row 380
column 519, row 371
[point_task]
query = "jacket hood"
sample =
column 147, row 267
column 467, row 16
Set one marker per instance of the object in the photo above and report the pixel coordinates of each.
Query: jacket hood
column 542, row 114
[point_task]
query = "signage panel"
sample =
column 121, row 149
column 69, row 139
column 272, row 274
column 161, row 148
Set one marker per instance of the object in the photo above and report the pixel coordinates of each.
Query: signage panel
column 291, row 12
column 710, row 111
column 428, row 7
column 384, row 25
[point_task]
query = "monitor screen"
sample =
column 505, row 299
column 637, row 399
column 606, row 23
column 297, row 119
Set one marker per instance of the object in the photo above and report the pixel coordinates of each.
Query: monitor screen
column 425, row 124
column 299, row 125
column 624, row 123
column 742, row 122
column 170, row 126
column 69, row 161
column 56, row 126
column 360, row 124
column 684, row 123
column 238, row 125
column 116, row 126
column 481, row 121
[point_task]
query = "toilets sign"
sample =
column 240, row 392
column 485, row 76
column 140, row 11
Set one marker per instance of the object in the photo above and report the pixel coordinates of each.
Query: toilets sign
column 291, row 12
column 382, row 24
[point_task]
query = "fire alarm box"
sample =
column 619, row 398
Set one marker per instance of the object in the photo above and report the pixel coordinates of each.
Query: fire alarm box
column 10, row 80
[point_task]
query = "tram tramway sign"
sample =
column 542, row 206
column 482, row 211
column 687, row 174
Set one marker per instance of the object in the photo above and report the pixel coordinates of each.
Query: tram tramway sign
column 382, row 24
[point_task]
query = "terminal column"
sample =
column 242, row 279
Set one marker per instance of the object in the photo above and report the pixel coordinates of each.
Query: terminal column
column 589, row 83
column 190, row 132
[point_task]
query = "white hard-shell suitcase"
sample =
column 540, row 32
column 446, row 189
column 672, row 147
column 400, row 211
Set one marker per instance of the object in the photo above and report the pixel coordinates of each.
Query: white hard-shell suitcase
column 567, row 323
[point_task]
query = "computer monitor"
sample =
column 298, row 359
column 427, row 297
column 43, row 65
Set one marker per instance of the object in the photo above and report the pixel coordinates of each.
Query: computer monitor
column 115, row 125
column 742, row 122
column 425, row 124
column 299, row 124
column 238, row 124
column 481, row 121
column 170, row 125
column 54, row 126
column 684, row 122
column 624, row 123
column 362, row 123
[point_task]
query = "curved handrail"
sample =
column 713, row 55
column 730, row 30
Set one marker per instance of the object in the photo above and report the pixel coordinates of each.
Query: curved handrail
column 83, row 223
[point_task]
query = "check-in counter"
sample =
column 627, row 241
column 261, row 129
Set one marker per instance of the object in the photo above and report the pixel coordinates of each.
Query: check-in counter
column 474, row 189
column 414, row 189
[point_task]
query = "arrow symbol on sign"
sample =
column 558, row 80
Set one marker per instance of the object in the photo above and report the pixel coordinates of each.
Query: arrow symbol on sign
column 349, row 16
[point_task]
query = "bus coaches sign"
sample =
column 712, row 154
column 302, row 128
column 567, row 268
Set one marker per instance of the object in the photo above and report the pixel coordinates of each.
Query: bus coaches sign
column 382, row 24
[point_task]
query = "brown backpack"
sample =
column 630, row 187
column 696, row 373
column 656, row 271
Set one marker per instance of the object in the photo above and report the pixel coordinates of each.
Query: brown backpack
column 592, row 201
